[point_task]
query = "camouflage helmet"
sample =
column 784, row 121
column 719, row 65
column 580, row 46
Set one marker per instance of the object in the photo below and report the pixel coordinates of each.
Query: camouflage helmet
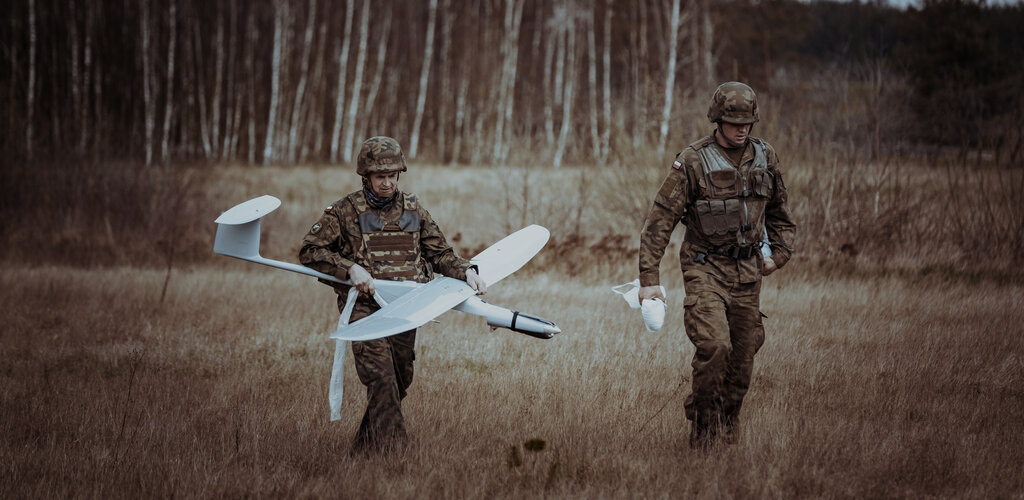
column 733, row 102
column 380, row 155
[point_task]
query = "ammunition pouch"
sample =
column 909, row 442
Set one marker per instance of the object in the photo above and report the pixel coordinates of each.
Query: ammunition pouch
column 736, row 252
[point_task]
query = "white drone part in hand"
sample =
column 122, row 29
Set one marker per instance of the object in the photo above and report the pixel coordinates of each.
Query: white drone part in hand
column 652, row 310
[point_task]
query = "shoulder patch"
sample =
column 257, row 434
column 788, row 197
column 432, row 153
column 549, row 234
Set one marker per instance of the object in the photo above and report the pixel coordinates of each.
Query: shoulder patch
column 328, row 209
column 677, row 164
column 316, row 228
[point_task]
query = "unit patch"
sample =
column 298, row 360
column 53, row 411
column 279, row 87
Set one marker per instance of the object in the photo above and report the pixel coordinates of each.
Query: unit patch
column 316, row 228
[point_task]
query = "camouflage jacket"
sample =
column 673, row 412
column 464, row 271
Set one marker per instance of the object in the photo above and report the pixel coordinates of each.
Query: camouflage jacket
column 685, row 186
column 336, row 242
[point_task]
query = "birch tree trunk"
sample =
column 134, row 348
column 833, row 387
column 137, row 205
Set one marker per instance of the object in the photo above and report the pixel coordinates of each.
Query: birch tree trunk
column 83, row 123
column 275, row 83
column 670, row 76
column 169, row 103
column 357, row 83
column 307, row 44
column 570, row 81
column 231, row 113
column 218, row 82
column 195, row 42
column 595, row 134
column 317, row 123
column 384, row 26
column 708, row 37
column 56, row 95
column 339, row 103
column 421, row 101
column 607, row 83
column 250, row 71
column 640, row 72
column 460, row 115
column 31, row 98
column 442, row 113
column 553, row 39
column 506, row 98
column 76, row 73
column 147, row 98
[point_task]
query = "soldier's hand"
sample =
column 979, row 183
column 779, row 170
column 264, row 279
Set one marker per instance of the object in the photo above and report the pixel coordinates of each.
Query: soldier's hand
column 475, row 282
column 361, row 279
column 769, row 266
column 650, row 292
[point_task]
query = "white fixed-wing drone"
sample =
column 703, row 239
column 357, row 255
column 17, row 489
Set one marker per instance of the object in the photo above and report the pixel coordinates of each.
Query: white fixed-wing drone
column 405, row 305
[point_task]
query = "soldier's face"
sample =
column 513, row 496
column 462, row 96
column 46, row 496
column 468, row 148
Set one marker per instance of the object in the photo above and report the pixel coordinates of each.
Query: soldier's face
column 736, row 133
column 384, row 185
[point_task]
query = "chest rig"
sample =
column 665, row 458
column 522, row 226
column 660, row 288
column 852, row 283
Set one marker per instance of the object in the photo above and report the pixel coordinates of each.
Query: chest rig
column 391, row 239
column 728, row 211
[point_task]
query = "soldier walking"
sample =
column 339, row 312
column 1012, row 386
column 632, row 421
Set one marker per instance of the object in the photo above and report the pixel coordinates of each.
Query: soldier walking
column 383, row 233
column 726, row 189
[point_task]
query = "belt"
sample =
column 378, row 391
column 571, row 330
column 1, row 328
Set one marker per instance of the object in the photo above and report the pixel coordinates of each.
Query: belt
column 732, row 251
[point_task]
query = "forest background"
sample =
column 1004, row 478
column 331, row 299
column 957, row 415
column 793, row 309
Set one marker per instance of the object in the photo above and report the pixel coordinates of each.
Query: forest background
column 128, row 126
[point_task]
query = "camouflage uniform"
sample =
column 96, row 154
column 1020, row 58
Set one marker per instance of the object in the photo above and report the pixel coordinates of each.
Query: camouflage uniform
column 726, row 198
column 398, row 241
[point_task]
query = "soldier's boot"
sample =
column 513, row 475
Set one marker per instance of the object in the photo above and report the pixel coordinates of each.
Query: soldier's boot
column 730, row 431
column 703, row 433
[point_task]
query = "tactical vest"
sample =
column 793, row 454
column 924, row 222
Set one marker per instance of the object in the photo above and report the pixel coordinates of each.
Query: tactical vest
column 392, row 246
column 728, row 211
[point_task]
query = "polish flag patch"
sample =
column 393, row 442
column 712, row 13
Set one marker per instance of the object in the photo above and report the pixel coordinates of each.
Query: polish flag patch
column 677, row 164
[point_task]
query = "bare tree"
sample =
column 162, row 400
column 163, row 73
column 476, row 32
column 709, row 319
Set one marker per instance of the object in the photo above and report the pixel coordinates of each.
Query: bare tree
column 510, row 51
column 231, row 114
column 83, row 119
column 147, row 98
column 384, row 26
column 275, row 82
column 640, row 71
column 707, row 60
column 607, row 85
column 553, row 39
column 570, row 81
column 460, row 114
column 339, row 102
column 197, row 77
column 670, row 75
column 595, row 134
column 316, row 125
column 307, row 44
column 421, row 101
column 357, row 83
column 169, row 103
column 218, row 83
column 446, row 47
column 76, row 72
column 250, row 70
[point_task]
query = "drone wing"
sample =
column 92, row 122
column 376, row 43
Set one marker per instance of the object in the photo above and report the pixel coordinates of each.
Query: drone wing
column 411, row 310
column 510, row 253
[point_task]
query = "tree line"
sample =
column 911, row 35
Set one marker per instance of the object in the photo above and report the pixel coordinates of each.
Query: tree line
column 479, row 81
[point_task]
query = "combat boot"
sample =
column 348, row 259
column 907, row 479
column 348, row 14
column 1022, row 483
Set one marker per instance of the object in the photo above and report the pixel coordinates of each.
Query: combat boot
column 703, row 434
column 730, row 431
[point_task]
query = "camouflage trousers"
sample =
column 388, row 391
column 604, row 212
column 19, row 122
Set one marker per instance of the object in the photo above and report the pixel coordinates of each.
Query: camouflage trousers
column 723, row 320
column 385, row 367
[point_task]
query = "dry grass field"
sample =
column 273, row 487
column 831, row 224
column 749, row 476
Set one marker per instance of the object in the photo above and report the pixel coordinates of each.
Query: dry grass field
column 879, row 378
